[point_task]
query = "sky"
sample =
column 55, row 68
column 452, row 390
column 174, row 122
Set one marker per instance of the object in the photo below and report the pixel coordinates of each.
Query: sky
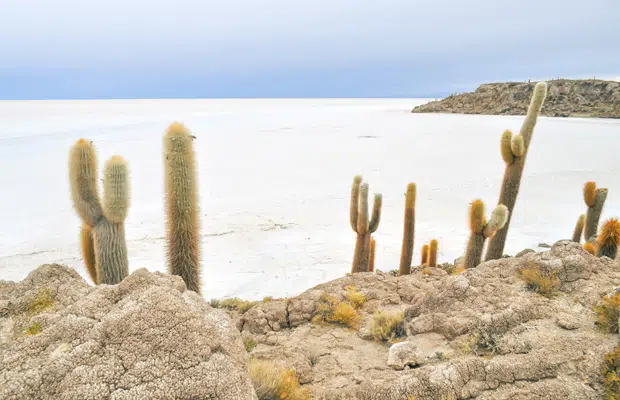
column 77, row 49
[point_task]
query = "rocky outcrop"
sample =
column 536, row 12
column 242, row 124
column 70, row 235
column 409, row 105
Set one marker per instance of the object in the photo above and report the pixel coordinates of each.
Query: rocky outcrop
column 480, row 334
column 145, row 338
column 565, row 98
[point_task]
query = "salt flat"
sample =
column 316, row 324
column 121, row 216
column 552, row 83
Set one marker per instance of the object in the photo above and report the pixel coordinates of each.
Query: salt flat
column 275, row 177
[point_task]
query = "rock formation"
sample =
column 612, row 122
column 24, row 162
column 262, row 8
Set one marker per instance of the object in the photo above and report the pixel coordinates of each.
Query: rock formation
column 565, row 98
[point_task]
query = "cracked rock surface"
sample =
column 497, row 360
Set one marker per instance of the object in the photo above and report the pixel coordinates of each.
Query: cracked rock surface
column 145, row 338
column 482, row 334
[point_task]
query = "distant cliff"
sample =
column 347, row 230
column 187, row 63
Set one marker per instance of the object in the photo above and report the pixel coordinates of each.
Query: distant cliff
column 565, row 98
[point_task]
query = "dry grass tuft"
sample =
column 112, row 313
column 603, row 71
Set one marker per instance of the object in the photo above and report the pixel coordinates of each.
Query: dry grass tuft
column 356, row 298
column 387, row 327
column 608, row 312
column 331, row 310
column 545, row 284
column 611, row 375
column 272, row 382
column 249, row 343
column 234, row 303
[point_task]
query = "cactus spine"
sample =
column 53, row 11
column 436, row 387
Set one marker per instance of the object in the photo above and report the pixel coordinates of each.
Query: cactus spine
column 595, row 200
column 432, row 253
column 579, row 228
column 361, row 224
column 519, row 146
column 406, row 254
column 609, row 239
column 182, row 208
column 371, row 261
column 103, row 226
column 481, row 230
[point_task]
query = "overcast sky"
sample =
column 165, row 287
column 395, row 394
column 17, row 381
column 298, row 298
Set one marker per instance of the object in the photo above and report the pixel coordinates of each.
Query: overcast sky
column 292, row 48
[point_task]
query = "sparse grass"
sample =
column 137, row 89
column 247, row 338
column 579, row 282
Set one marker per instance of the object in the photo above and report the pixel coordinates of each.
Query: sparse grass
column 611, row 375
column 607, row 313
column 387, row 327
column 267, row 299
column 545, row 284
column 236, row 304
column 334, row 311
column 249, row 343
column 215, row 303
column 42, row 301
column 275, row 383
column 314, row 354
column 34, row 329
column 481, row 343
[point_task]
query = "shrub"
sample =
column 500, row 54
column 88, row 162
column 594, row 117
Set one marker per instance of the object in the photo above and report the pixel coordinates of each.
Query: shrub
column 356, row 298
column 275, row 383
column 545, row 284
column 249, row 343
column 331, row 310
column 607, row 313
column 611, row 375
column 387, row 327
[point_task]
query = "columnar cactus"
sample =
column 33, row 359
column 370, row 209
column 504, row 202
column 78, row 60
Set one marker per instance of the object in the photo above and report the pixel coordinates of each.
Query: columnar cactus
column 425, row 250
column 609, row 239
column 371, row 261
column 361, row 224
column 103, row 230
column 579, row 228
column 182, row 208
column 514, row 152
column 595, row 200
column 481, row 230
column 406, row 253
column 432, row 253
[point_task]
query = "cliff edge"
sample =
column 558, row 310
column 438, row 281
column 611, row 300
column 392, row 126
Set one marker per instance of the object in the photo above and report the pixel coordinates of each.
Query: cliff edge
column 565, row 98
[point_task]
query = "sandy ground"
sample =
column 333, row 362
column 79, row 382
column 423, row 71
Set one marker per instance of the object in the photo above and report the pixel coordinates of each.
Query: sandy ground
column 275, row 177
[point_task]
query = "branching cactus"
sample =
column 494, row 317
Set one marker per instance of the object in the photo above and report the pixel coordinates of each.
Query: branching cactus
column 371, row 261
column 406, row 253
column 103, row 230
column 609, row 239
column 579, row 228
column 432, row 253
column 481, row 230
column 595, row 200
column 514, row 152
column 182, row 208
column 425, row 250
column 361, row 224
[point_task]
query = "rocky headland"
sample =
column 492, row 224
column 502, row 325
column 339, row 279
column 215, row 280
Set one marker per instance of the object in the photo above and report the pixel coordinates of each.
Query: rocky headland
column 565, row 98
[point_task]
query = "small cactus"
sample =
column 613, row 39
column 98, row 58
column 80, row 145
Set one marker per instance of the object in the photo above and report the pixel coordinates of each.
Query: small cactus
column 432, row 253
column 514, row 152
column 579, row 228
column 103, row 228
column 425, row 250
column 481, row 230
column 406, row 253
column 182, row 208
column 595, row 200
column 371, row 261
column 361, row 224
column 609, row 239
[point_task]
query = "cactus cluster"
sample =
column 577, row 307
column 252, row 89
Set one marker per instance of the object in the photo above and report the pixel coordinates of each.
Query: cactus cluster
column 482, row 230
column 363, row 225
column 102, row 234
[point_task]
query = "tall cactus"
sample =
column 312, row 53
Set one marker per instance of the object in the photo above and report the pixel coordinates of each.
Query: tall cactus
column 514, row 152
column 432, row 253
column 481, row 230
column 406, row 253
column 361, row 224
column 103, row 230
column 424, row 260
column 182, row 208
column 609, row 239
column 579, row 228
column 595, row 200
column 371, row 261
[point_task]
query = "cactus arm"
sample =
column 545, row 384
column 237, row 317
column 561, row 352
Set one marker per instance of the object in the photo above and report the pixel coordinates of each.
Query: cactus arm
column 116, row 189
column 376, row 213
column 354, row 205
column 362, row 217
column 371, row 261
column 517, row 146
column 83, row 182
column 593, row 215
column 578, row 231
column 506, row 147
column 88, row 252
column 498, row 219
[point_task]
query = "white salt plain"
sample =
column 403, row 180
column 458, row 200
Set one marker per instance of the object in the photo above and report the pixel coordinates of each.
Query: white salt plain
column 275, row 177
